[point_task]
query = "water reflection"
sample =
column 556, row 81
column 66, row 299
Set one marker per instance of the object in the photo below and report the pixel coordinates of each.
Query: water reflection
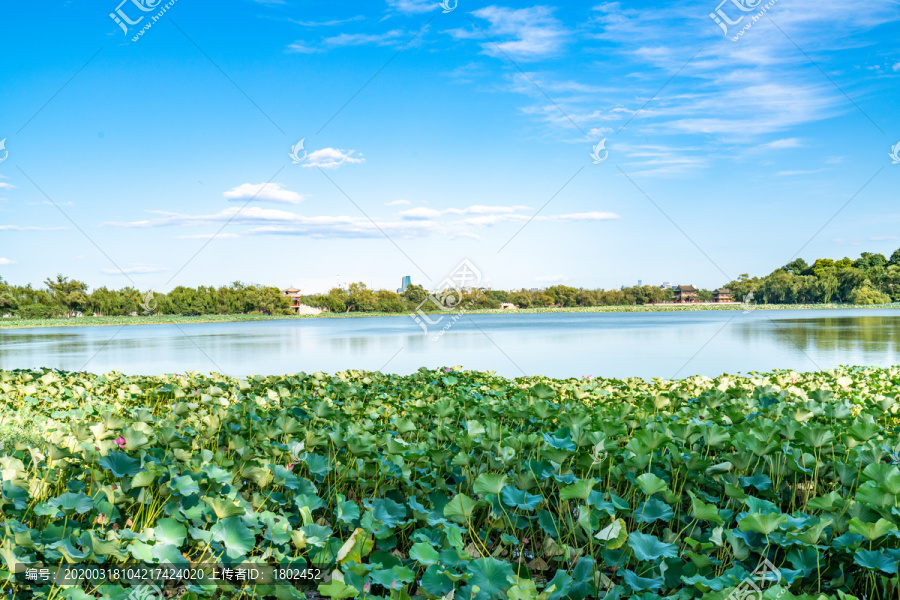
column 559, row 345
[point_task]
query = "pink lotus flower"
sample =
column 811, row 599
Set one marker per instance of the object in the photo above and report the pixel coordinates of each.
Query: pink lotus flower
column 290, row 466
column 120, row 441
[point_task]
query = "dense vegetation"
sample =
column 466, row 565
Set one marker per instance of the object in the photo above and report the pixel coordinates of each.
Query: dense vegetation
column 64, row 297
column 870, row 279
column 452, row 484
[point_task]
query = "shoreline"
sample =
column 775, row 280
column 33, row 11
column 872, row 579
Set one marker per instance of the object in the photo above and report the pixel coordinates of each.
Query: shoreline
column 9, row 324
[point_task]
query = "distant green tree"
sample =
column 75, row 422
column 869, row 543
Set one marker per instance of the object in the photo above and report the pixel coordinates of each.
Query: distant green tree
column 796, row 267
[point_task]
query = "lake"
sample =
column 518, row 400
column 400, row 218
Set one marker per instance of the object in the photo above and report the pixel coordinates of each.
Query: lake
column 649, row 344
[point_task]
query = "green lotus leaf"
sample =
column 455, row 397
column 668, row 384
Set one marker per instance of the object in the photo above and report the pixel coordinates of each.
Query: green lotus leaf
column 705, row 512
column 579, row 490
column 338, row 590
column 72, row 504
column 489, row 483
column 224, row 507
column 653, row 510
column 169, row 531
column 238, row 540
column 436, row 582
column 491, row 577
column 649, row 547
column 640, row 584
column 543, row 391
column 460, row 508
column 876, row 559
column 424, row 554
column 388, row 512
column 871, row 531
column 651, row 484
column 762, row 523
column 143, row 479
column 185, row 485
column 516, row 498
column 120, row 464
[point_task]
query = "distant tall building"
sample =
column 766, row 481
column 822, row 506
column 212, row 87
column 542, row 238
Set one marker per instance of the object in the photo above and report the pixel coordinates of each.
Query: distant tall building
column 640, row 282
column 407, row 281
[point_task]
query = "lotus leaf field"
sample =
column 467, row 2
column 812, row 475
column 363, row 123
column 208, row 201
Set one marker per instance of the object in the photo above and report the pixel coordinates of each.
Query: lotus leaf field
column 456, row 484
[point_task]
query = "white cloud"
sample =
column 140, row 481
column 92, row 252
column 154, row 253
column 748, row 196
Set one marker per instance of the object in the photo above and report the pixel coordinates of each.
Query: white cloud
column 430, row 213
column 6, row 261
column 552, row 278
column 397, row 203
column 646, row 160
column 896, row 67
column 210, row 236
column 300, row 47
column 136, row 270
column 781, row 144
column 412, row 7
column 394, row 37
column 525, row 33
column 326, row 23
column 361, row 39
column 792, row 173
column 264, row 192
column 6, row 186
column 332, row 158
column 267, row 221
column 20, row 228
column 588, row 216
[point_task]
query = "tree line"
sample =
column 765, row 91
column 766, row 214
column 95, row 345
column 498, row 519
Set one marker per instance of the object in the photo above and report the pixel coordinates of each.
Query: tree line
column 64, row 297
column 870, row 279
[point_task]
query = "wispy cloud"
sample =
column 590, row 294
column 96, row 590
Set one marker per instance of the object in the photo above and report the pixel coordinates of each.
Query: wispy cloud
column 647, row 160
column 20, row 228
column 412, row 7
column 6, row 261
column 793, row 173
column 394, row 37
column 262, row 192
column 209, row 236
column 6, row 186
column 267, row 221
column 397, row 203
column 330, row 23
column 525, row 33
column 332, row 158
column 430, row 213
column 781, row 144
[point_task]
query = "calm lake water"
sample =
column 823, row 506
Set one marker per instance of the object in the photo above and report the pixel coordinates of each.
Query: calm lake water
column 652, row 344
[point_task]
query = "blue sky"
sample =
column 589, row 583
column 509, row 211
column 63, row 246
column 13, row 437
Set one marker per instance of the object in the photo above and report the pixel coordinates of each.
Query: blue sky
column 431, row 137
